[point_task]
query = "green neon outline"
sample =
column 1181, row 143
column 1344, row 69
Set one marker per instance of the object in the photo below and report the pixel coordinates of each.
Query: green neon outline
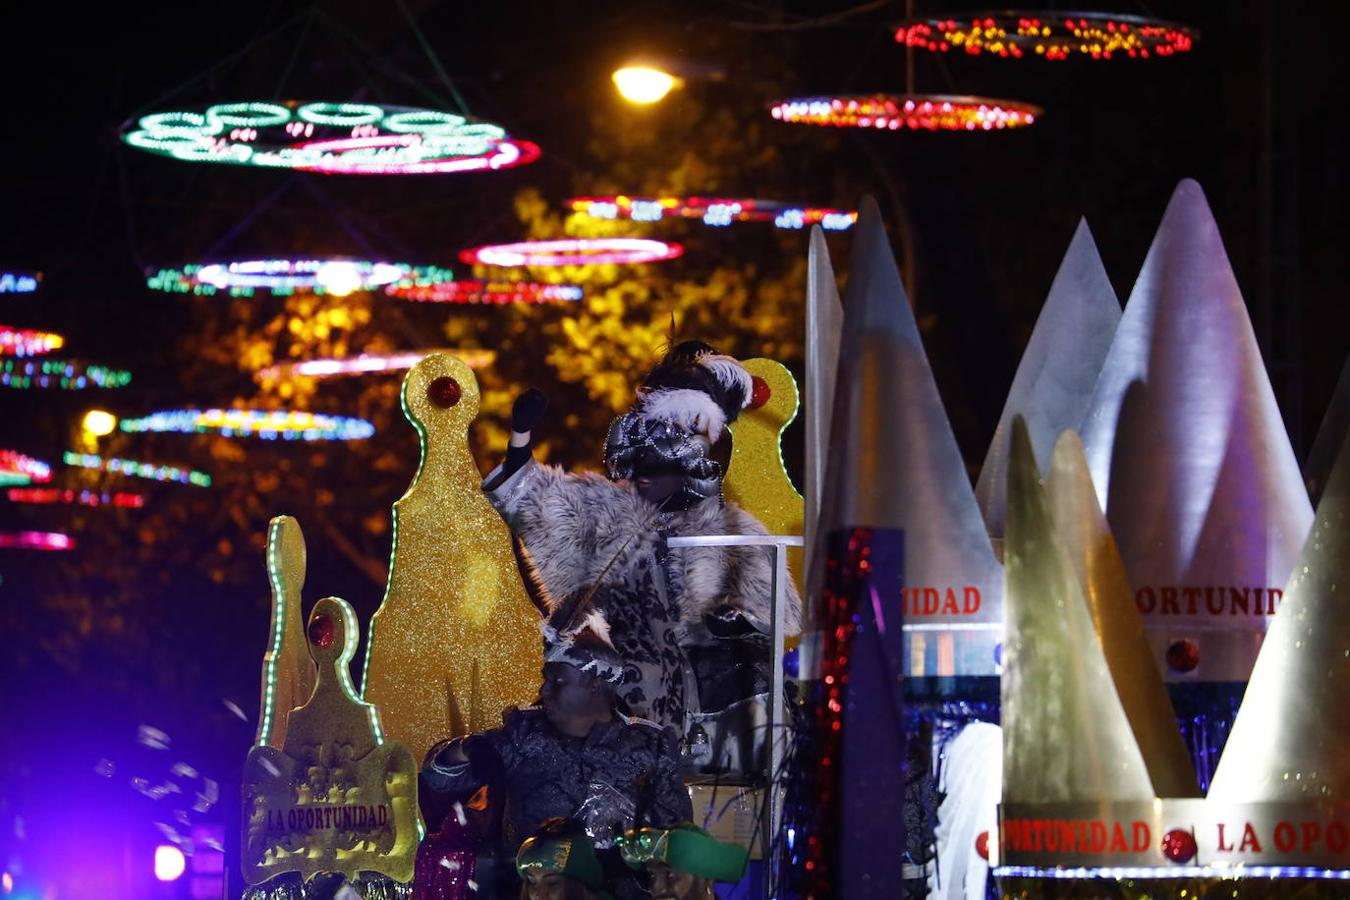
column 278, row 629
column 432, row 121
column 251, row 114
column 341, row 115
column 352, row 637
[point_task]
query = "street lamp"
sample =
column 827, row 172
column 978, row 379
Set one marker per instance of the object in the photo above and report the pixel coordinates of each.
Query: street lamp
column 644, row 84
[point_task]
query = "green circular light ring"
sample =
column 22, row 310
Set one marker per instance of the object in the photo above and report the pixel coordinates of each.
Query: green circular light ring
column 249, row 115
column 341, row 114
column 179, row 122
column 171, row 142
column 426, row 121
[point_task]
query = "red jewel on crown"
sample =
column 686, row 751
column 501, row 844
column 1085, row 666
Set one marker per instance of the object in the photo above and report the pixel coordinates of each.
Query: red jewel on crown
column 759, row 392
column 321, row 631
column 444, row 392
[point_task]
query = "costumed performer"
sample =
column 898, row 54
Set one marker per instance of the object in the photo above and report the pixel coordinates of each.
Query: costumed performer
column 684, row 862
column 558, row 862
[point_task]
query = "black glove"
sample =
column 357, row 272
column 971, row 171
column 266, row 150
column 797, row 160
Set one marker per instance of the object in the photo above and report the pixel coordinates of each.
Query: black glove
column 528, row 408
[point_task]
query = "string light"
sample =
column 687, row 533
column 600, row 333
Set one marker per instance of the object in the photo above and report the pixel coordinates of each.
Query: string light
column 266, row 424
column 484, row 292
column 36, row 540
column 136, row 469
column 337, row 276
column 1118, row 872
column 16, row 468
column 370, row 363
column 1015, row 34
column 24, row 342
column 68, row 497
column 715, row 211
column 346, row 138
column 573, row 252
column 916, row 112
column 58, row 373
column 19, row 282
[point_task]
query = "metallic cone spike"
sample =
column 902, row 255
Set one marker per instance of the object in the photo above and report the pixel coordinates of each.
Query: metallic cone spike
column 1059, row 368
column 1065, row 734
column 1330, row 436
column 1289, row 739
column 1187, row 447
column 1082, row 531
column 894, row 463
column 824, row 319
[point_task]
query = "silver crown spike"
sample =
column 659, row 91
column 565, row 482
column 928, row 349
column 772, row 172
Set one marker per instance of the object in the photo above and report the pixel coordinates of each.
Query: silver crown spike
column 824, row 321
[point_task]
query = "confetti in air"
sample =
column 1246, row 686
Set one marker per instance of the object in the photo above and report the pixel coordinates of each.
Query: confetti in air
column 234, row 708
column 152, row 737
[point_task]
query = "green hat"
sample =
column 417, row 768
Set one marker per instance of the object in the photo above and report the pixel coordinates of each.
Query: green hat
column 685, row 848
column 563, row 851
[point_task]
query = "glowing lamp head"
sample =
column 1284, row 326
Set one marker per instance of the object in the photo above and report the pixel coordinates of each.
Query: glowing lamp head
column 99, row 422
column 169, row 862
column 338, row 278
column 642, row 84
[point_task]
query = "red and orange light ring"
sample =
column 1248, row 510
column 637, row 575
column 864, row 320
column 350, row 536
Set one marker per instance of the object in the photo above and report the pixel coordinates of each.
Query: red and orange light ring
column 1015, row 34
column 916, row 112
column 421, row 291
column 26, row 342
column 17, row 468
column 68, row 497
column 715, row 211
column 573, row 252
column 371, row 363
column 35, row 540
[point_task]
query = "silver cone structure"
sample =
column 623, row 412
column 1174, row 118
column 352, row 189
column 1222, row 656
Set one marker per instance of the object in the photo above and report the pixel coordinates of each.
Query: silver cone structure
column 894, row 463
column 824, row 321
column 1289, row 739
column 1188, row 450
column 1066, row 737
column 1083, row 533
column 1335, row 426
column 1055, row 379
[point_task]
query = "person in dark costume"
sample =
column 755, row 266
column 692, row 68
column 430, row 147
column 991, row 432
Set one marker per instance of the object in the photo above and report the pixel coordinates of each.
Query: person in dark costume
column 558, row 862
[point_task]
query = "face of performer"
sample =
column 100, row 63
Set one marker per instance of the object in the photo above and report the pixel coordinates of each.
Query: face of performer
column 668, row 884
column 545, row 886
column 573, row 700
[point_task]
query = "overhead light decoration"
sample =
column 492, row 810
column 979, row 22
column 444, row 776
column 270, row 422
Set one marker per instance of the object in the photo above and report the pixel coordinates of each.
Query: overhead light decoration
column 136, row 469
column 267, row 424
column 370, row 363
column 643, row 84
column 1016, row 34
column 59, row 373
column 36, row 540
column 17, row 468
column 25, row 342
column 335, row 138
column 19, row 282
column 573, row 252
column 483, row 292
column 336, row 276
column 68, row 497
column 915, row 112
column 715, row 211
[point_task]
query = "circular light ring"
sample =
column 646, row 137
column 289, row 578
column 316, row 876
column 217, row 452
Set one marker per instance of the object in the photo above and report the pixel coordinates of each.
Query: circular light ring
column 715, row 211
column 267, row 424
column 19, row 282
column 16, row 468
column 916, row 112
column 338, row 276
column 69, row 497
column 65, row 374
column 1014, row 34
column 368, row 363
column 351, row 138
column 36, row 540
column 137, row 469
column 25, row 342
column 484, row 292
column 573, row 252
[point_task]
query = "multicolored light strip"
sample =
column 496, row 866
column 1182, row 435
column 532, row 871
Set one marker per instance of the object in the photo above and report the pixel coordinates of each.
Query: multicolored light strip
column 19, row 282
column 266, row 424
column 484, row 292
column 17, row 468
column 1117, row 873
column 25, row 342
column 59, row 373
column 1014, row 34
column 68, row 497
column 335, row 138
column 916, row 112
column 281, row 277
column 36, row 540
column 137, row 469
column 368, row 363
column 573, row 252
column 715, row 211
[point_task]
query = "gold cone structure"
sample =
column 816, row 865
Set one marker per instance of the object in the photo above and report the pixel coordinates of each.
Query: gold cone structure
column 1082, row 531
column 1289, row 741
column 455, row 613
column 1059, row 368
column 1330, row 435
column 824, row 322
column 894, row 463
column 288, row 672
column 1189, row 452
column 1066, row 737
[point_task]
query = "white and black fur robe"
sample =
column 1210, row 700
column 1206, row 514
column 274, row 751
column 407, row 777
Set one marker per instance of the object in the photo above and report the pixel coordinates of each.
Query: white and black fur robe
column 580, row 529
